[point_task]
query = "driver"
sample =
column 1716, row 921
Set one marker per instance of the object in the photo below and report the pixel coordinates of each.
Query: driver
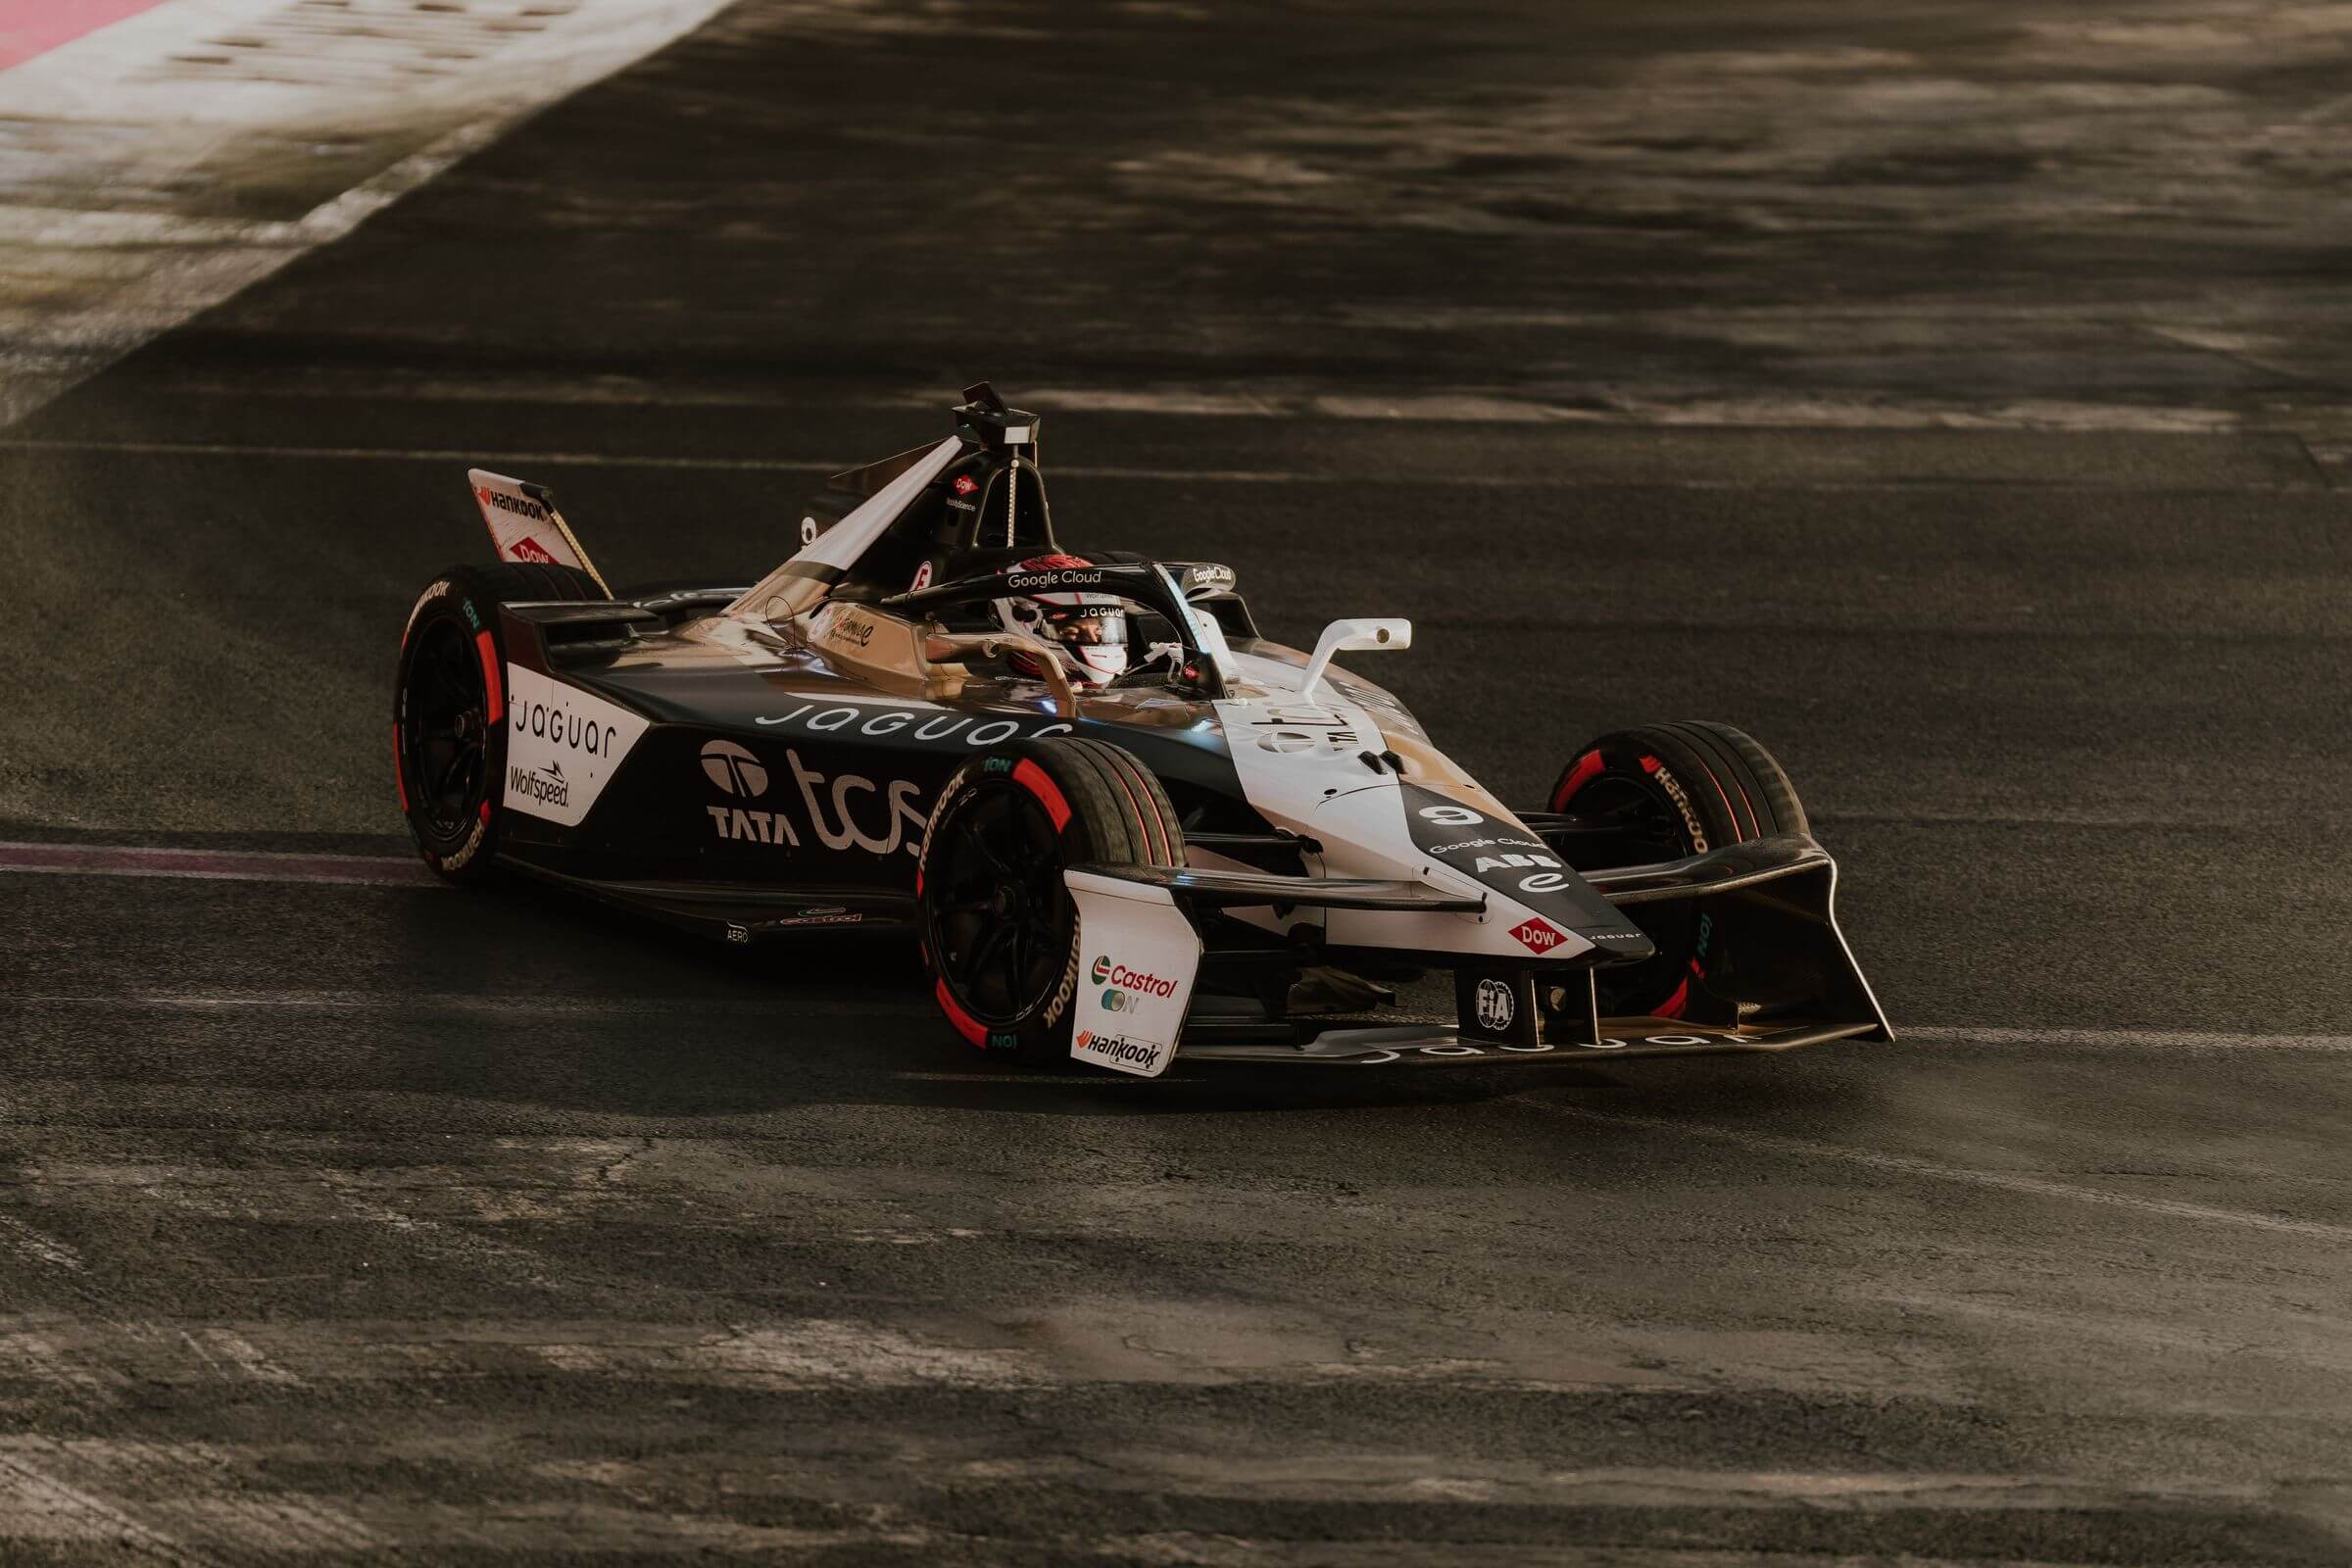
column 1088, row 631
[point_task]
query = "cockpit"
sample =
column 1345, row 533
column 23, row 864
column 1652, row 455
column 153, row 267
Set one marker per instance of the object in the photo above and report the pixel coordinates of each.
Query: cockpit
column 946, row 555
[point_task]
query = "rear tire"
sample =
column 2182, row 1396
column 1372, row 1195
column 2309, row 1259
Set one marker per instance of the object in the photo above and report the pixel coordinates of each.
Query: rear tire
column 1678, row 790
column 449, row 746
column 999, row 930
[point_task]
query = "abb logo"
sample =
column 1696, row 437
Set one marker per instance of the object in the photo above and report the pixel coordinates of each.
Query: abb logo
column 527, row 548
column 1539, row 934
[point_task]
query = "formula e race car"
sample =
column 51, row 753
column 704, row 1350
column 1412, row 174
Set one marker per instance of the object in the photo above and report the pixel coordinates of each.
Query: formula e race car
column 1126, row 828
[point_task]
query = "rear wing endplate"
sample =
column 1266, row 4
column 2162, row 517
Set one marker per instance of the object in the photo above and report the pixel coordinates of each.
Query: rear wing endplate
column 526, row 527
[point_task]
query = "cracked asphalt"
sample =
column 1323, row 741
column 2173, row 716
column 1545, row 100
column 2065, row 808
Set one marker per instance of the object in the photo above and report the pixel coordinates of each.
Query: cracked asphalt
column 1947, row 395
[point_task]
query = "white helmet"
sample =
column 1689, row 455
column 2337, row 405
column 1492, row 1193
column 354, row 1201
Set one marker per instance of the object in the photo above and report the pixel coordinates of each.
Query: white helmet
column 1088, row 631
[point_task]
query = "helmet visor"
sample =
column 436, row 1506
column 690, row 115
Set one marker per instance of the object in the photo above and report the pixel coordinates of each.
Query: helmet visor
column 1089, row 627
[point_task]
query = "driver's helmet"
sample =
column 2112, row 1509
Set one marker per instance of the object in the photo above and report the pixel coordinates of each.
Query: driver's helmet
column 1089, row 629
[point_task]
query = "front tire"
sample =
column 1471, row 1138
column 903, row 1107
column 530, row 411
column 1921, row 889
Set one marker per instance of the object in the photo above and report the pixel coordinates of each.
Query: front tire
column 1673, row 791
column 449, row 746
column 999, row 930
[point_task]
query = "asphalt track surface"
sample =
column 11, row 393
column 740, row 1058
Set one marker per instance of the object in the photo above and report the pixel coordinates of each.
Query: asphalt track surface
column 353, row 1219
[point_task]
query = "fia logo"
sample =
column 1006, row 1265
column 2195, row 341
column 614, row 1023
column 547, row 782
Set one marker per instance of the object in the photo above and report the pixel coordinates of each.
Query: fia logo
column 1497, row 1005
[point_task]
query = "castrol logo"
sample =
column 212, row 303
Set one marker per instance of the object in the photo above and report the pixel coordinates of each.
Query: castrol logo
column 1109, row 973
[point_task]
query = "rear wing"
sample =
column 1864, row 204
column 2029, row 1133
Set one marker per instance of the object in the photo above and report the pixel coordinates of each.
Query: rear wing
column 525, row 524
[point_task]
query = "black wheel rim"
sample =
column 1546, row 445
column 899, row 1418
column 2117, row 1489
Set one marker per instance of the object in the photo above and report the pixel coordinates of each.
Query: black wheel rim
column 999, row 918
column 1650, row 829
column 444, row 736
column 1642, row 815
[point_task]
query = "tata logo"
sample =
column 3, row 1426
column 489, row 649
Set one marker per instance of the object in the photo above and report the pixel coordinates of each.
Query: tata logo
column 734, row 769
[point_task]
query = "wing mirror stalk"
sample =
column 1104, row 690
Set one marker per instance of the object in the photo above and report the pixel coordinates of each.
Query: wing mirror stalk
column 1352, row 637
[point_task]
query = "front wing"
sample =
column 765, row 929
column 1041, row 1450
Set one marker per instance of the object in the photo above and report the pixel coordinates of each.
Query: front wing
column 1772, row 902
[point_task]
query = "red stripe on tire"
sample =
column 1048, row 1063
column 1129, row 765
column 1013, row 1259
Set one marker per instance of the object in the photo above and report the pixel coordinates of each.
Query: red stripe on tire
column 1675, row 1003
column 1725, row 796
column 965, row 1024
column 1049, row 794
column 1577, row 777
column 400, row 774
column 1142, row 822
column 493, row 701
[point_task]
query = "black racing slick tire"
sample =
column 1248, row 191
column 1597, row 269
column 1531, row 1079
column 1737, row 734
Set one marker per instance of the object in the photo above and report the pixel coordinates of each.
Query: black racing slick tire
column 999, row 930
column 449, row 746
column 1672, row 791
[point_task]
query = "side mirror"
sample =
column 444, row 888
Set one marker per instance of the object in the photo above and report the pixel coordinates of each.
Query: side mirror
column 1350, row 637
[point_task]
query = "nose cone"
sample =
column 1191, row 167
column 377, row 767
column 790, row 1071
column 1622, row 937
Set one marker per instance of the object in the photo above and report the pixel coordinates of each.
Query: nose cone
column 1561, row 914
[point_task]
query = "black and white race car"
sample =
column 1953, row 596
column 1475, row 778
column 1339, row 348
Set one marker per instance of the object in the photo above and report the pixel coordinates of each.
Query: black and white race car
column 1126, row 827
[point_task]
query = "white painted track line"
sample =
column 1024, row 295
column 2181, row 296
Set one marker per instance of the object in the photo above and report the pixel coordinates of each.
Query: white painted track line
column 2119, row 1039
column 238, row 866
column 493, row 1003
column 835, row 464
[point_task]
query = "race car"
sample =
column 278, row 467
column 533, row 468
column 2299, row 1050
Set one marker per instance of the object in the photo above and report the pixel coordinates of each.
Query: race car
column 1126, row 828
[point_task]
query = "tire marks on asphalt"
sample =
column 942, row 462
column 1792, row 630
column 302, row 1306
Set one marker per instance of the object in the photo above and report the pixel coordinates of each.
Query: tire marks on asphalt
column 2024, row 1184
column 37, row 1505
column 236, row 865
column 2056, row 1037
column 193, row 1503
column 37, row 1247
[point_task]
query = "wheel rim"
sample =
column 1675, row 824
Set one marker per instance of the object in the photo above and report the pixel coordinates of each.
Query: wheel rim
column 1646, row 818
column 999, row 917
column 1643, row 815
column 446, row 736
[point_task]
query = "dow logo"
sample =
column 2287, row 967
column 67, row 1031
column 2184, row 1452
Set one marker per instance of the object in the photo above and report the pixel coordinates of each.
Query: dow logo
column 1539, row 934
column 734, row 769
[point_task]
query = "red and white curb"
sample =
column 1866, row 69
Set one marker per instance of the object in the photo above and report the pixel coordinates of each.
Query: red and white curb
column 227, row 865
column 158, row 116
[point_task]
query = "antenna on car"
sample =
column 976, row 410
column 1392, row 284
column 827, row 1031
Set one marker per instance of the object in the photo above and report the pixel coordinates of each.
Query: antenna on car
column 987, row 422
